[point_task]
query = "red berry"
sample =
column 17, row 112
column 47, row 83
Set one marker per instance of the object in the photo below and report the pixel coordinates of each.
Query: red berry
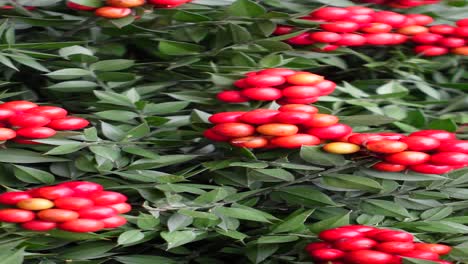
column 6, row 134
column 461, row 32
column 225, row 117
column 28, row 120
column 300, row 92
column 302, row 39
column 114, row 221
column 55, row 192
column 36, row 132
column 293, row 117
column 462, row 22
column 421, row 143
column 450, row 158
column 283, row 30
column 262, row 93
column 384, row 166
column 440, row 135
column 419, row 254
column 322, row 120
column 83, row 188
column 391, row 18
column 57, row 215
column 408, row 158
column 360, row 10
column 295, row 141
column 51, row 112
column 12, row 198
column 394, row 236
column 39, row 225
column 386, row 146
column 430, row 50
column 431, row 169
column 121, row 208
column 232, row 96
column 335, row 234
column 442, row 29
column 277, row 71
column 317, row 245
column 427, row 38
column 108, row 198
column 298, row 108
column 68, row 123
column 368, row 257
column 18, row 106
column 265, row 80
column 361, row 19
column 330, row 132
column 6, row 113
column 454, row 146
column 325, row 254
column 395, row 247
column 330, row 13
column 82, row 225
column 73, row 203
column 354, row 243
column 376, row 28
column 209, row 134
column 452, row 42
column 97, row 212
column 326, row 87
column 16, row 215
column 112, row 12
column 340, row 26
column 420, row 19
column 360, row 228
column 325, row 37
column 234, row 129
column 259, row 116
column 436, row 248
column 350, row 39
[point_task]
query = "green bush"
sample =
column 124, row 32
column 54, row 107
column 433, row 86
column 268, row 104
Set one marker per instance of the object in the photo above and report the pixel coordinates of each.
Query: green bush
column 148, row 86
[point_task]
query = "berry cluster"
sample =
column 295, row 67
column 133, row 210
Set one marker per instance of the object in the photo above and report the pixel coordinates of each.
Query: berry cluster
column 24, row 120
column 285, row 85
column 291, row 126
column 424, row 151
column 114, row 9
column 77, row 206
column 402, row 3
column 359, row 26
column 358, row 244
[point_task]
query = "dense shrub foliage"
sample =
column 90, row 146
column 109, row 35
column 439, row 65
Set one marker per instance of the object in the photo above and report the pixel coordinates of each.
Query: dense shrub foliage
column 148, row 84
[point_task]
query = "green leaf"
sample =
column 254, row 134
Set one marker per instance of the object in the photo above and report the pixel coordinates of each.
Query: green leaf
column 276, row 239
column 112, row 65
column 129, row 237
column 178, row 221
column 332, row 222
column 73, row 86
column 246, row 8
column 178, row 238
column 68, row 74
column 443, row 124
column 315, row 155
column 144, row 259
column 179, row 48
column 351, row 182
column 239, row 213
column 386, row 208
column 13, row 258
column 305, row 195
column 31, row 175
column 87, row 250
column 402, row 176
column 25, row 156
column 213, row 196
column 65, row 149
column 292, row 222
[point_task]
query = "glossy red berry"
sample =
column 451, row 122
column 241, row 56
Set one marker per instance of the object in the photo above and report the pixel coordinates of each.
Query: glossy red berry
column 68, row 123
column 408, row 158
column 450, row 158
column 28, row 120
column 335, row 234
column 36, row 132
column 12, row 198
column 232, row 96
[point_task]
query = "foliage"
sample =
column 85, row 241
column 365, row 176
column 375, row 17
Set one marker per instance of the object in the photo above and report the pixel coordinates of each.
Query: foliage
column 149, row 85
